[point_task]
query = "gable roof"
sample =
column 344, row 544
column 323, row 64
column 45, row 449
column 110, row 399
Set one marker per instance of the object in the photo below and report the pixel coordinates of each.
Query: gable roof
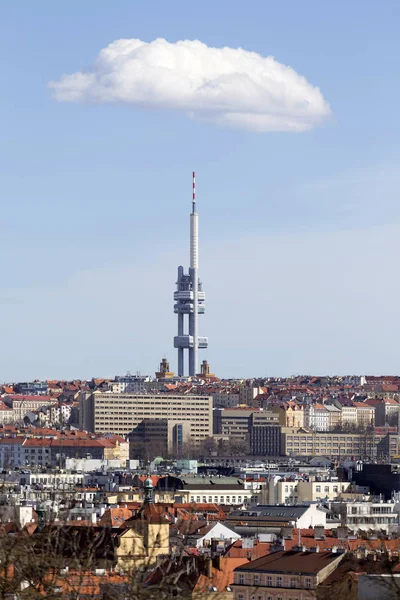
column 221, row 577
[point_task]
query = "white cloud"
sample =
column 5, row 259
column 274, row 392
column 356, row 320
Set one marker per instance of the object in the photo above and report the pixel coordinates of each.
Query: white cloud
column 232, row 87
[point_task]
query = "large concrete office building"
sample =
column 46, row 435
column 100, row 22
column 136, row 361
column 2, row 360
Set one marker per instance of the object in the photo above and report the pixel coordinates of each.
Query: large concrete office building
column 122, row 413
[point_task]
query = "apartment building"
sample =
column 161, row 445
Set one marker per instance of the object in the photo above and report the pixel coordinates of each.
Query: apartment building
column 130, row 384
column 348, row 411
column 122, row 413
column 286, row 491
column 386, row 411
column 316, row 417
column 284, row 575
column 368, row 515
column 20, row 451
column 365, row 414
column 233, row 422
column 21, row 405
column 291, row 414
column 318, row 491
column 303, row 442
column 32, row 388
column 228, row 491
column 301, row 516
column 225, row 399
column 6, row 414
column 238, row 422
column 334, row 417
column 12, row 452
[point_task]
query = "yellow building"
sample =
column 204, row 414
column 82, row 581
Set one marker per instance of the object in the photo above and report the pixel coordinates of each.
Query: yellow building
column 146, row 536
column 290, row 414
column 117, row 449
column 303, row 442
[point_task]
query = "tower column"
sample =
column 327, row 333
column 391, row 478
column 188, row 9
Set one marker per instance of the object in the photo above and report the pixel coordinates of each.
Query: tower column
column 190, row 298
column 180, row 350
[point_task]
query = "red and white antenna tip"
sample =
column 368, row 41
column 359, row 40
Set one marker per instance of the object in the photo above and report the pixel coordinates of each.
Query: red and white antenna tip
column 194, row 186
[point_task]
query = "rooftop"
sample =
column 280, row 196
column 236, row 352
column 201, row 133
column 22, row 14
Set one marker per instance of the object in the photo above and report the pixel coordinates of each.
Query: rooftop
column 307, row 563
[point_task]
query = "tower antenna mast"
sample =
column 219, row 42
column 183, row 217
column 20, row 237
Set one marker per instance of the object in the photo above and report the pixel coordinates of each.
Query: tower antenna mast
column 189, row 298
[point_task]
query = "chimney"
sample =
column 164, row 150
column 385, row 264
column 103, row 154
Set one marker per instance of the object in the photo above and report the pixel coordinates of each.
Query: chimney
column 277, row 547
column 319, row 532
column 341, row 532
column 287, row 533
column 93, row 518
column 217, row 562
column 208, row 568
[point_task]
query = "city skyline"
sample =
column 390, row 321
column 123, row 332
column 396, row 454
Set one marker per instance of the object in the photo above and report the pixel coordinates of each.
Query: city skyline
column 299, row 213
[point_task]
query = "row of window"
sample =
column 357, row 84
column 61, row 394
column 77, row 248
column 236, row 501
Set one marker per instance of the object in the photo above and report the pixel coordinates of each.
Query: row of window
column 219, row 499
column 272, row 581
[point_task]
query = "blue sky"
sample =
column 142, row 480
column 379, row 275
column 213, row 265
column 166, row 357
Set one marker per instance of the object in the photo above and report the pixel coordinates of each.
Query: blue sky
column 299, row 231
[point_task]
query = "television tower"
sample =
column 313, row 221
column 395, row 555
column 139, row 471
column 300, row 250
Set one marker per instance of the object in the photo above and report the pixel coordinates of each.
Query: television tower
column 189, row 300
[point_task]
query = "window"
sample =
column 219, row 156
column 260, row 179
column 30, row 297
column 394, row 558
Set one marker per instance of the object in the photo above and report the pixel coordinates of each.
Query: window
column 256, row 580
column 241, row 579
column 293, row 582
column 279, row 581
column 269, row 580
column 240, row 596
column 318, row 488
column 308, row 584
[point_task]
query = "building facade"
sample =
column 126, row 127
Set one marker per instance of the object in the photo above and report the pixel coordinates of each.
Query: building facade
column 122, row 413
column 284, row 575
column 302, row 442
column 316, row 417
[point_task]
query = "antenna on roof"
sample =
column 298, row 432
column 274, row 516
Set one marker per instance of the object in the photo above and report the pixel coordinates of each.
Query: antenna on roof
column 194, row 193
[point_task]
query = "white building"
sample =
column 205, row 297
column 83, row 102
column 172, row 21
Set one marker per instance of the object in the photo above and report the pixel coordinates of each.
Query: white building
column 225, row 399
column 12, row 452
column 129, row 384
column 368, row 515
column 22, row 405
column 216, row 490
column 217, row 532
column 316, row 417
column 54, row 415
column 6, row 414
